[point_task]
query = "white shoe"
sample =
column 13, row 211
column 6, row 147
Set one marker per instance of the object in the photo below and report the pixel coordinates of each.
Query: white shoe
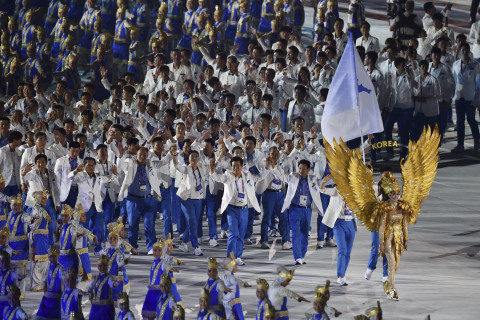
column 248, row 241
column 198, row 251
column 321, row 244
column 331, row 243
column 213, row 243
column 338, row 279
column 343, row 281
column 264, row 245
column 174, row 227
column 298, row 262
column 368, row 274
column 273, row 233
column 287, row 245
column 240, row 262
column 303, row 261
column 150, row 252
column 384, row 279
column 183, row 246
column 223, row 234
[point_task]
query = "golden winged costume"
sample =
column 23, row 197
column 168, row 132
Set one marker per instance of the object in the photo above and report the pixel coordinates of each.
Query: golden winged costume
column 391, row 216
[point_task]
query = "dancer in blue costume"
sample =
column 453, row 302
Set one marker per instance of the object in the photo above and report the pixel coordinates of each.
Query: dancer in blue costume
column 57, row 34
column 27, row 34
column 256, row 12
column 219, row 26
column 120, row 43
column 231, row 299
column 15, row 40
column 86, row 24
column 205, row 313
column 107, row 8
column 187, row 27
column 32, row 65
column 278, row 293
column 268, row 14
column 231, row 29
column 100, row 293
column 168, row 262
column 39, row 233
column 140, row 19
column 216, row 288
column 71, row 297
column 18, row 222
column 166, row 303
column 52, row 15
column 124, row 306
column 79, row 217
column 68, row 256
column 149, row 309
column 263, row 302
column 173, row 25
column 319, row 304
column 134, row 55
column 197, row 36
column 7, row 275
column 98, row 39
column 51, row 301
column 116, row 261
column 325, row 291
column 14, row 310
column 242, row 37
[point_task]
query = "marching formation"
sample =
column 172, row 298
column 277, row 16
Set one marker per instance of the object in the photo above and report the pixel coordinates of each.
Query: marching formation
column 176, row 111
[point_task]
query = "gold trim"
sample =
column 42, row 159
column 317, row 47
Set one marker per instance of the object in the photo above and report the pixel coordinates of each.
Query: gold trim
column 281, row 314
column 235, row 301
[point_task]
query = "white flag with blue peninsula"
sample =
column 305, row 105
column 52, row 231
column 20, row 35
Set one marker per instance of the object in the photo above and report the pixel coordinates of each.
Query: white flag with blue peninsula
column 351, row 109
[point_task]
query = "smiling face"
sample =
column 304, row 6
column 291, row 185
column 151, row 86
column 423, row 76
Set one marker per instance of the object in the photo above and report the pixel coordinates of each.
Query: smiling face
column 212, row 273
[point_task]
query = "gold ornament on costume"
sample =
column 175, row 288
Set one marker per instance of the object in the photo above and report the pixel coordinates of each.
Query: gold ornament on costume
column 354, row 182
column 262, row 284
column 121, row 8
column 2, row 180
column 41, row 194
column 321, row 298
column 285, row 273
column 389, row 185
column 167, row 241
column 29, row 13
column 375, row 311
column 268, row 310
column 31, row 46
column 218, row 10
column 163, row 7
column 99, row 20
column 16, row 200
column 212, row 263
column 41, row 31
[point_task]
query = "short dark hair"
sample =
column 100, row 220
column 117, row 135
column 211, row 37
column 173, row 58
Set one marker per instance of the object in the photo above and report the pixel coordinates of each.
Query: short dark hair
column 85, row 161
column 74, row 144
column 132, row 141
column 210, row 141
column 14, row 135
column 251, row 138
column 39, row 134
column 305, row 162
column 100, row 146
column 61, row 131
column 236, row 159
column 41, row 156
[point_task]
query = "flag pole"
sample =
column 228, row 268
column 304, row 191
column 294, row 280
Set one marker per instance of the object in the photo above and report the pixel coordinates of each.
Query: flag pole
column 358, row 103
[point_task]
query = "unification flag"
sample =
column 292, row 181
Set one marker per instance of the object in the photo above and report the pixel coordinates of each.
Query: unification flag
column 351, row 109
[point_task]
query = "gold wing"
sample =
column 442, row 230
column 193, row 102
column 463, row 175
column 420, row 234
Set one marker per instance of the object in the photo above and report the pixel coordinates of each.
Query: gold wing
column 354, row 182
column 419, row 170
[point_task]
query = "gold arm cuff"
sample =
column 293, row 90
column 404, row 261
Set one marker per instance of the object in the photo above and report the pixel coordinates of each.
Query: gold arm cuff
column 41, row 258
column 40, row 231
column 281, row 314
column 235, row 301
column 82, row 251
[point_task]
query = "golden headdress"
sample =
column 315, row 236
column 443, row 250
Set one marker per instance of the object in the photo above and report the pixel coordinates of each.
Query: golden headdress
column 103, row 260
column 159, row 244
column 78, row 211
column 212, row 263
column 230, row 261
column 155, row 42
column 17, row 199
column 320, row 291
column 121, row 8
column 163, row 36
column 70, row 39
column 99, row 20
column 179, row 311
column 374, row 311
column 38, row 195
column 262, row 284
column 205, row 294
column 163, row 7
column 279, row 3
column 2, row 179
column 67, row 210
column 285, row 273
column 28, row 13
column 12, row 21
column 5, row 231
column 123, row 297
column 389, row 185
column 166, row 280
column 201, row 18
column 62, row 9
column 330, row 2
column 167, row 241
column 120, row 223
column 211, row 28
column 15, row 63
column 65, row 23
column 321, row 298
column 218, row 10
column 243, row 3
column 31, row 46
column 72, row 58
column 133, row 29
column 53, row 251
column 40, row 30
